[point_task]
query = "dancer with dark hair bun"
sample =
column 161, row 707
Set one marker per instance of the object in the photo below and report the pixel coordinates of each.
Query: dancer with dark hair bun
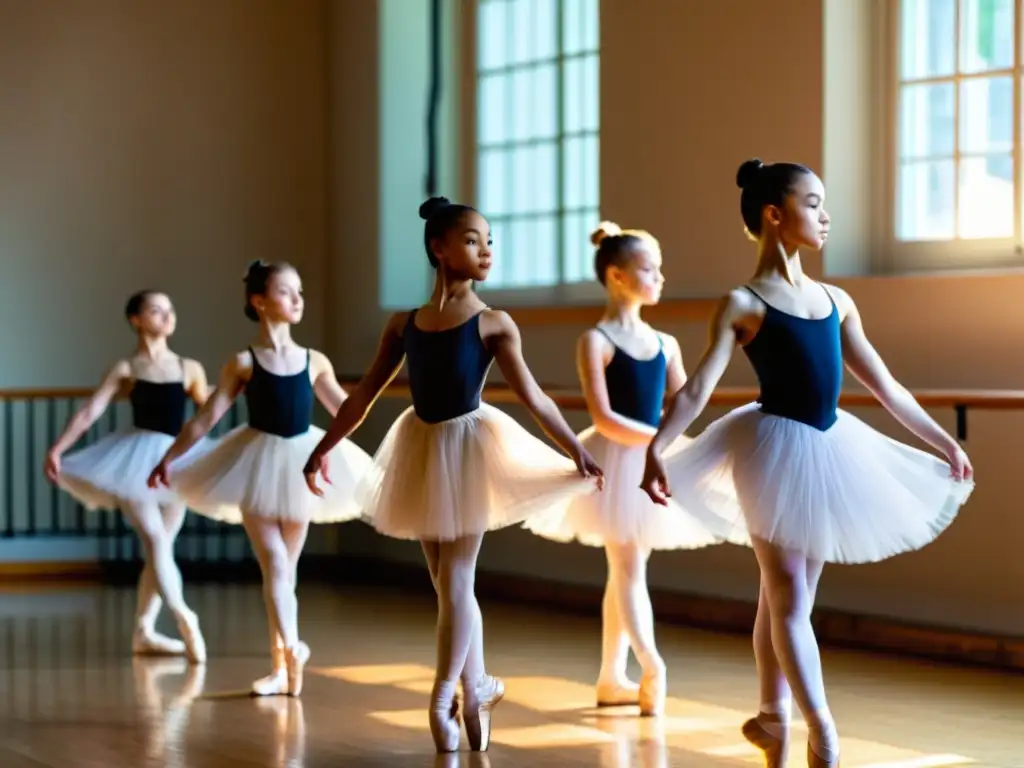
column 111, row 473
column 253, row 476
column 452, row 468
column 792, row 475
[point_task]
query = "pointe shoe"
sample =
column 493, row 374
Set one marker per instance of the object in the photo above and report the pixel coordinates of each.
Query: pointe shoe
column 444, row 717
column 774, row 748
column 481, row 700
column 617, row 694
column 195, row 645
column 295, row 660
column 814, row 760
column 148, row 642
column 276, row 683
column 652, row 693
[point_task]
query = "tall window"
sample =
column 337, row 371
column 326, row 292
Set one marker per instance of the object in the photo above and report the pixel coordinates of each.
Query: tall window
column 959, row 137
column 537, row 137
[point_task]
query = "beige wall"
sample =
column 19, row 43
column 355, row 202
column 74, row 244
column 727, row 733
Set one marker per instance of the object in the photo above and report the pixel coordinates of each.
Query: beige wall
column 688, row 91
column 154, row 144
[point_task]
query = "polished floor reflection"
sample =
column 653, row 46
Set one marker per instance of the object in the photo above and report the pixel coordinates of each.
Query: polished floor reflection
column 72, row 696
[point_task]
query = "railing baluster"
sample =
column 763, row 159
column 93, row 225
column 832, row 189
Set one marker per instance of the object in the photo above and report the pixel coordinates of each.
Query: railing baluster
column 8, row 529
column 30, row 466
column 51, row 435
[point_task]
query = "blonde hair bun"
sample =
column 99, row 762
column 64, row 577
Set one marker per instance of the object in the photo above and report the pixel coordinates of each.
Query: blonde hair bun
column 605, row 229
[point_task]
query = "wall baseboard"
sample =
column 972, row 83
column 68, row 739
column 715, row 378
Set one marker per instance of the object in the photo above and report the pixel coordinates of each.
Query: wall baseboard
column 833, row 628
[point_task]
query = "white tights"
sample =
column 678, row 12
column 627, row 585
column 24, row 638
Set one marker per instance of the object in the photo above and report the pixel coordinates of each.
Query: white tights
column 157, row 526
column 627, row 616
column 277, row 545
column 785, row 648
column 460, row 629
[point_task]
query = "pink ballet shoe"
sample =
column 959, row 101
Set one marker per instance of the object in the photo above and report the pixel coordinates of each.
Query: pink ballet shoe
column 652, row 693
column 276, row 683
column 774, row 747
column 814, row 760
column 295, row 660
column 152, row 643
column 444, row 716
column 481, row 699
column 195, row 645
column 617, row 694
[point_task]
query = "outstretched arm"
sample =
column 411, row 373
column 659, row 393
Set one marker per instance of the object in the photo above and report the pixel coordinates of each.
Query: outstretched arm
column 505, row 341
column 693, row 396
column 325, row 383
column 867, row 366
column 86, row 416
column 591, row 361
column 353, row 409
column 196, row 384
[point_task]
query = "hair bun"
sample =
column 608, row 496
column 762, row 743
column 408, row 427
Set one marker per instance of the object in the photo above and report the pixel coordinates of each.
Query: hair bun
column 432, row 206
column 605, row 229
column 253, row 267
column 748, row 172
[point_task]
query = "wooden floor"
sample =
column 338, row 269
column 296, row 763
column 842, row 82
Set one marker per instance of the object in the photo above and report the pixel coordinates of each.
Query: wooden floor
column 72, row 696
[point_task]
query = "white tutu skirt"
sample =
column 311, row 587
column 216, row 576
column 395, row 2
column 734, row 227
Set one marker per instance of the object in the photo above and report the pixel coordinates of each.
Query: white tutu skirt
column 622, row 513
column 112, row 472
column 846, row 495
column 261, row 475
column 465, row 476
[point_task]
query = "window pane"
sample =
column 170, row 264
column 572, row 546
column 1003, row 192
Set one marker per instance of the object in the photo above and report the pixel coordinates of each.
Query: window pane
column 491, row 114
column 926, row 120
column 572, row 96
column 521, row 32
column 925, row 209
column 492, row 34
column 492, row 181
column 986, row 197
column 591, row 13
column 577, row 251
column 986, row 38
column 545, row 21
column 591, row 166
column 545, row 177
column 543, row 251
column 521, row 271
column 522, row 105
column 523, row 173
column 544, row 105
column 927, row 38
column 986, row 115
column 500, row 252
column 590, row 93
column 573, row 180
column 580, row 25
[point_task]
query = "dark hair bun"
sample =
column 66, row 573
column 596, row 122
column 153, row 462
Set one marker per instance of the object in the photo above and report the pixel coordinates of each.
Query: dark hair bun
column 748, row 173
column 432, row 206
column 254, row 266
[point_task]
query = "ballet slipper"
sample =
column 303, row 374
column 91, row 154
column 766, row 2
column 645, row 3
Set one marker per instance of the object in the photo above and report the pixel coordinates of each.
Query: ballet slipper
column 481, row 699
column 149, row 642
column 295, row 660
column 276, row 683
column 652, row 692
column 443, row 715
column 615, row 693
column 770, row 735
column 195, row 646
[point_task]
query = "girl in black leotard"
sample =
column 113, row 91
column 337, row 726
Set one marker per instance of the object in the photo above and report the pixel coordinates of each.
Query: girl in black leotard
column 253, row 476
column 111, row 473
column 453, row 468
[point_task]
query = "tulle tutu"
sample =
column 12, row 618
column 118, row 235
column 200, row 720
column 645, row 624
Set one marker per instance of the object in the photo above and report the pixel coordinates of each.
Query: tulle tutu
column 468, row 475
column 113, row 471
column 846, row 495
column 622, row 513
column 262, row 474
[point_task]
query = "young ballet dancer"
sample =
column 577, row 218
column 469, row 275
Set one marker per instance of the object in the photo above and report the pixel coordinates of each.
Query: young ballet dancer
column 626, row 370
column 253, row 475
column 792, row 475
column 111, row 473
column 452, row 467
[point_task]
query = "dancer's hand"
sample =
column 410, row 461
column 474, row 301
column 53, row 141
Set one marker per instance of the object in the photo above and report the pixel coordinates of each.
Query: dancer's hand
column 317, row 464
column 51, row 467
column 160, row 476
column 586, row 465
column 655, row 482
column 959, row 465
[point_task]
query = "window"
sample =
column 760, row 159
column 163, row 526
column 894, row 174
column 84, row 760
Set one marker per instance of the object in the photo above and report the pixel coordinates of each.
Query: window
column 958, row 146
column 537, row 137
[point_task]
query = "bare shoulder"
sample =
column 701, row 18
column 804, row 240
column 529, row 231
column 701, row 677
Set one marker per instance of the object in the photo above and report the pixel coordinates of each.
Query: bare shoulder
column 670, row 344
column 844, row 302
column 497, row 322
column 192, row 368
column 395, row 326
column 319, row 362
column 240, row 365
column 121, row 370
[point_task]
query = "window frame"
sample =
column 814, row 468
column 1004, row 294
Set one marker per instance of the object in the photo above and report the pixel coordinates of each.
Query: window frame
column 954, row 254
column 561, row 292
